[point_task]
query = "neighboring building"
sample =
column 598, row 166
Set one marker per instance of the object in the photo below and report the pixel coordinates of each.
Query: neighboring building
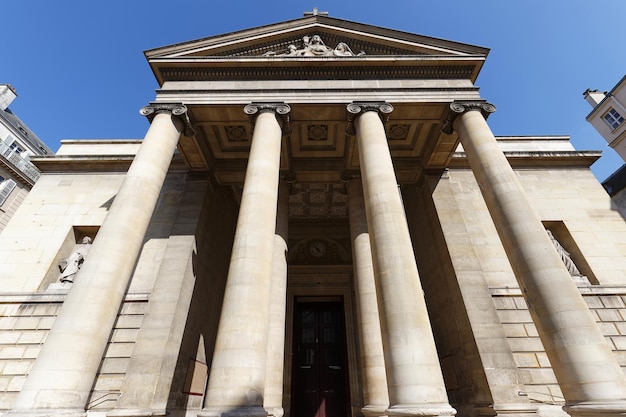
column 615, row 185
column 607, row 116
column 319, row 222
column 17, row 144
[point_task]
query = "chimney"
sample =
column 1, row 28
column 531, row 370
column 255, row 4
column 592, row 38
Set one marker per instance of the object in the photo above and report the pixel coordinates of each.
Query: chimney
column 594, row 97
column 7, row 95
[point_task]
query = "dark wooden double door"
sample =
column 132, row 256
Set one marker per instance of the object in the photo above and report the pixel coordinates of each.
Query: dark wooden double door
column 319, row 370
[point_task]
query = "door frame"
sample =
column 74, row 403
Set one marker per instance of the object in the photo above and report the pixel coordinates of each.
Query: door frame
column 322, row 287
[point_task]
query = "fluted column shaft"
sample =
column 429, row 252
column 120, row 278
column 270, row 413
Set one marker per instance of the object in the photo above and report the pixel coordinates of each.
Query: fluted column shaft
column 65, row 369
column 588, row 373
column 375, row 392
column 273, row 399
column 237, row 378
column 413, row 372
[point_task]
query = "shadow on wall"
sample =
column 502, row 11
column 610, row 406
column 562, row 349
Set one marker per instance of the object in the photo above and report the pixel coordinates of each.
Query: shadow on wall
column 214, row 240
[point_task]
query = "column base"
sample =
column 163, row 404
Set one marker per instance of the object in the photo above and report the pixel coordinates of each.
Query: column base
column 374, row 410
column 596, row 408
column 135, row 412
column 420, row 410
column 47, row 412
column 275, row 411
column 508, row 410
column 235, row 411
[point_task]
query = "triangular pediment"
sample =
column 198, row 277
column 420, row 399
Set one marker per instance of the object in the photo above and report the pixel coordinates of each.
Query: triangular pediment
column 372, row 40
column 317, row 65
column 311, row 38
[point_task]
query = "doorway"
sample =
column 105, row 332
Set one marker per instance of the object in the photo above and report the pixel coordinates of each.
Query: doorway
column 319, row 370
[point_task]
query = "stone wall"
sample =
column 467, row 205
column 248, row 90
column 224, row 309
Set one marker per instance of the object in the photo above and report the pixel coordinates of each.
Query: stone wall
column 210, row 262
column 607, row 305
column 24, row 324
column 470, row 286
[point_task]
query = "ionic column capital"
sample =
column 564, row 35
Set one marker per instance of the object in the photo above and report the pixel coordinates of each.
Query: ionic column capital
column 281, row 110
column 357, row 108
column 175, row 109
column 457, row 108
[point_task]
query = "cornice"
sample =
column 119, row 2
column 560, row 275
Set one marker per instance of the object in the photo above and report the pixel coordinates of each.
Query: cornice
column 538, row 159
column 313, row 24
column 93, row 163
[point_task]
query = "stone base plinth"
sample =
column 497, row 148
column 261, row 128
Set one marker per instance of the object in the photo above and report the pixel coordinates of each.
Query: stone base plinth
column 421, row 410
column 47, row 412
column 374, row 411
column 508, row 410
column 135, row 412
column 596, row 409
column 233, row 412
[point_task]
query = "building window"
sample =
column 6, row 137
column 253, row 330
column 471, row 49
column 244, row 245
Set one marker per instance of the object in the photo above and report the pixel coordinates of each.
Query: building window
column 570, row 253
column 613, row 118
column 16, row 148
column 5, row 190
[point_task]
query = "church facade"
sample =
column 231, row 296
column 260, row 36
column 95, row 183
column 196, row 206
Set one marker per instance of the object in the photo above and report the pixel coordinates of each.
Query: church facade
column 318, row 222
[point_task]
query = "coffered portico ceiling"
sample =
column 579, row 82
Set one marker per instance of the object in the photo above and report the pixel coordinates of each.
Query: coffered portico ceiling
column 317, row 65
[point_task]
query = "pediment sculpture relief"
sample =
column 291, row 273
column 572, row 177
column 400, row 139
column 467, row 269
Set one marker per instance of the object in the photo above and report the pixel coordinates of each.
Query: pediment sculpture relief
column 315, row 46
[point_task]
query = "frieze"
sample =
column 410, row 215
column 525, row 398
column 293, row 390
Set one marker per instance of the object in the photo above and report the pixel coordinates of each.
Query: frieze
column 318, row 73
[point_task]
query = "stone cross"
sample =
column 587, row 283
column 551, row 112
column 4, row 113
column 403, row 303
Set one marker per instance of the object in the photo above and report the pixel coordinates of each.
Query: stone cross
column 315, row 12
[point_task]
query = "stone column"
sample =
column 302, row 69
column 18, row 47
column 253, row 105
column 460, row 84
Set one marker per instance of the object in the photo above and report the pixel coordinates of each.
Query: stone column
column 65, row 369
column 589, row 376
column 414, row 376
column 375, row 392
column 273, row 398
column 237, row 379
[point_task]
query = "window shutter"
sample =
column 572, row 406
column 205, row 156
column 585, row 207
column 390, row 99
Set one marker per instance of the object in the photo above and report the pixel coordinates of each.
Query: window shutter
column 5, row 190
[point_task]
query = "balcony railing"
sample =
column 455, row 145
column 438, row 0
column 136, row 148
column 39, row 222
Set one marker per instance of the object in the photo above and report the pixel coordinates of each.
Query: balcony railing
column 23, row 165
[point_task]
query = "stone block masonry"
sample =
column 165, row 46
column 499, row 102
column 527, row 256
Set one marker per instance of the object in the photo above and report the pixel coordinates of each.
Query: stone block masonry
column 24, row 324
column 607, row 304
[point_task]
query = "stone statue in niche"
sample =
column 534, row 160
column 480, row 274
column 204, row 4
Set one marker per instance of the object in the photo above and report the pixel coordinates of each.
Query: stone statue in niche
column 69, row 267
column 565, row 256
column 315, row 46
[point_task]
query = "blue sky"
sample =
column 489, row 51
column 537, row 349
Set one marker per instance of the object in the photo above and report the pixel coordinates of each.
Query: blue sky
column 79, row 70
